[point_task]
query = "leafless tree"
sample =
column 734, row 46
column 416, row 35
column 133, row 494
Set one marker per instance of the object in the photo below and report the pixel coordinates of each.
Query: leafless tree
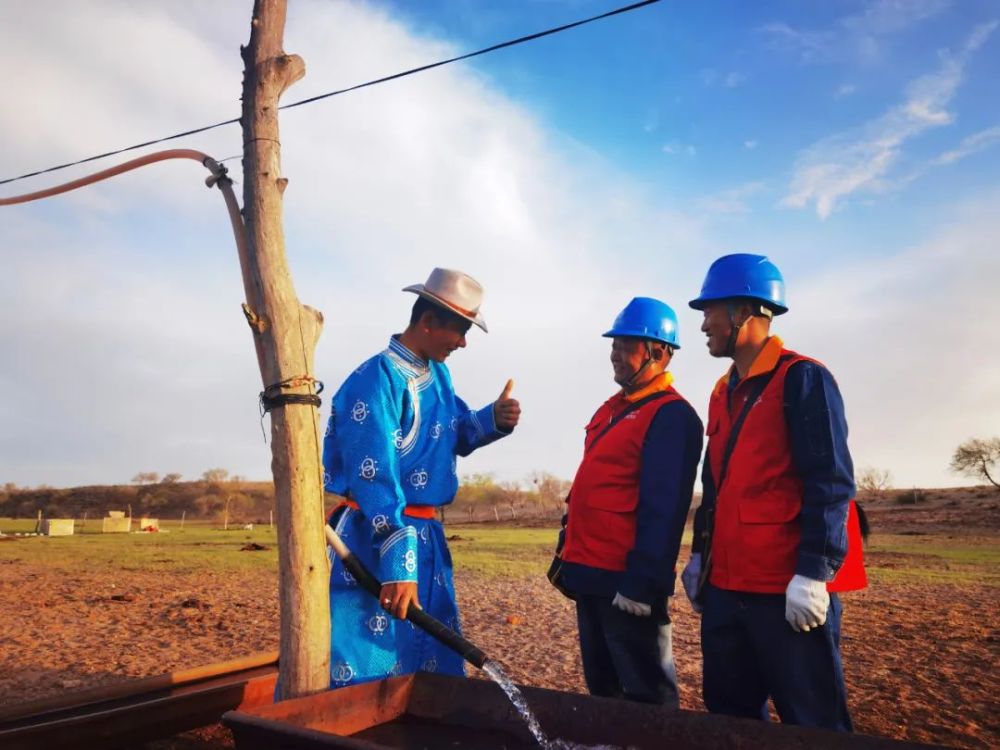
column 145, row 477
column 214, row 475
column 171, row 478
column 978, row 458
column 874, row 482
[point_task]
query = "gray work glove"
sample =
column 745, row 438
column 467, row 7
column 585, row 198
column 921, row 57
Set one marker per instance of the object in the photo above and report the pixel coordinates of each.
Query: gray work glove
column 632, row 607
column 689, row 577
column 806, row 602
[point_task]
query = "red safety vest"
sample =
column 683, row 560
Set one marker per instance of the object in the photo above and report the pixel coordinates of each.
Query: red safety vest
column 600, row 530
column 755, row 541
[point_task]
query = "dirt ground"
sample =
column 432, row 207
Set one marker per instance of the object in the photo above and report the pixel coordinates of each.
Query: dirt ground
column 921, row 659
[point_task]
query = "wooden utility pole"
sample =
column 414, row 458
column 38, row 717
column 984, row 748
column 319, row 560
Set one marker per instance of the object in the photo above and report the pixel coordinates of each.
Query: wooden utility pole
column 285, row 334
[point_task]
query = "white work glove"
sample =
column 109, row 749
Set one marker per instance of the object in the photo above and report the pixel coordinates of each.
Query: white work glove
column 689, row 577
column 806, row 602
column 633, row 608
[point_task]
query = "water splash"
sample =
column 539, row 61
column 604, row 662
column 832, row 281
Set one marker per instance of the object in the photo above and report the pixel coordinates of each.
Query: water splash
column 494, row 670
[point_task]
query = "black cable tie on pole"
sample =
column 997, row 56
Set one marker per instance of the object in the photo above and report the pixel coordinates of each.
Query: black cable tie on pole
column 272, row 397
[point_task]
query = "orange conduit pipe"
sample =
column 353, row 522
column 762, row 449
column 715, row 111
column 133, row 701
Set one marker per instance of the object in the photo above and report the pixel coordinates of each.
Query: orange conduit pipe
column 219, row 178
column 142, row 161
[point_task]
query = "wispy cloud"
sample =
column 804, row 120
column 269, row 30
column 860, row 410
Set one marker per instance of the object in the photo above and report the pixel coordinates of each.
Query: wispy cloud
column 858, row 36
column 750, row 145
column 730, row 202
column 729, row 80
column 845, row 89
column 860, row 159
column 955, row 262
column 143, row 296
column 970, row 145
column 679, row 149
column 651, row 123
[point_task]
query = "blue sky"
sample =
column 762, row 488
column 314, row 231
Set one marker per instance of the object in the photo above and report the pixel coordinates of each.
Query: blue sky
column 856, row 143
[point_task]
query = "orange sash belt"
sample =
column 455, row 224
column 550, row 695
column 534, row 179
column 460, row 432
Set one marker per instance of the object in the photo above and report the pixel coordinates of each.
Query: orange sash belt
column 426, row 512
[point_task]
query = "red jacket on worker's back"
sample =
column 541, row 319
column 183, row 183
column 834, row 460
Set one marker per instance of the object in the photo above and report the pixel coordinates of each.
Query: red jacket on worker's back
column 757, row 532
column 601, row 526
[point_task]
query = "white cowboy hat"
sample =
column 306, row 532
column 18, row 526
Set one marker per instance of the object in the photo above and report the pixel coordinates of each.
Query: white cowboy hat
column 455, row 291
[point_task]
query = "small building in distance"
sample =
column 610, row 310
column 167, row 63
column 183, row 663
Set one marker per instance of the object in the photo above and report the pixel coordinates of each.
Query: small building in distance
column 57, row 527
column 116, row 523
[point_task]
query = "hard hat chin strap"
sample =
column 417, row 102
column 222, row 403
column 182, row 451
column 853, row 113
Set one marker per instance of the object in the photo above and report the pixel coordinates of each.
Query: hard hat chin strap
column 629, row 384
column 734, row 331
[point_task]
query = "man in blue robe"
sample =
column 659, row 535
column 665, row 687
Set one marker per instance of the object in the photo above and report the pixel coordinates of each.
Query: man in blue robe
column 395, row 429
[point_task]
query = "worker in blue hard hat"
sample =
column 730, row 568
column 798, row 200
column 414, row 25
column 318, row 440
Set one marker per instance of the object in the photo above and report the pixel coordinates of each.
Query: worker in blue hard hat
column 777, row 533
column 626, row 513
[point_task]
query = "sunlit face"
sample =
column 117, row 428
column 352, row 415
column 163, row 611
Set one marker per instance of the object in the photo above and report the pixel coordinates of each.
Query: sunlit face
column 627, row 356
column 442, row 338
column 717, row 326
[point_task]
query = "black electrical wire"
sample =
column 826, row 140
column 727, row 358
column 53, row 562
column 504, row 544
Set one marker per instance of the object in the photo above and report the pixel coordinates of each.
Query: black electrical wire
column 403, row 74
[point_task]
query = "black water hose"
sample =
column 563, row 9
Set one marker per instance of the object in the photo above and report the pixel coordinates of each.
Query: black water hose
column 417, row 616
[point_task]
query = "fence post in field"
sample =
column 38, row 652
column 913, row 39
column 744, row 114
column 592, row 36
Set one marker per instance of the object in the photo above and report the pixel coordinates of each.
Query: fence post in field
column 285, row 333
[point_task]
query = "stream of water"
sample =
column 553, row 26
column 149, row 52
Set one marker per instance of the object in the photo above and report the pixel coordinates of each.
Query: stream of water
column 521, row 704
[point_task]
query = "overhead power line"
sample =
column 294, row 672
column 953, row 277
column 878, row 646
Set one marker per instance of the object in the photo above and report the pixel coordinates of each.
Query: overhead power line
column 310, row 100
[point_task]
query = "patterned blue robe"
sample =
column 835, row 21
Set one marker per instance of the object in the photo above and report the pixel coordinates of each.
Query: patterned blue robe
column 394, row 431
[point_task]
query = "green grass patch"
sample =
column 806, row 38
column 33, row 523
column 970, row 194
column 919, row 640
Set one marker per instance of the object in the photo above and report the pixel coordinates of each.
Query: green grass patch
column 893, row 558
column 198, row 546
column 487, row 550
column 497, row 551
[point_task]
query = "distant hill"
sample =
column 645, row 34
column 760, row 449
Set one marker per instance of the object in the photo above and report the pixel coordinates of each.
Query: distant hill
column 479, row 498
column 248, row 501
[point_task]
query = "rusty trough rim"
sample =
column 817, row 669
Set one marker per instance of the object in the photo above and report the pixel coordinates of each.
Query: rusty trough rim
column 144, row 709
column 134, row 688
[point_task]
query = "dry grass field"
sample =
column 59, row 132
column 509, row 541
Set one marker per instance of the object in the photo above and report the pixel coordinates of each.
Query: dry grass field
column 920, row 645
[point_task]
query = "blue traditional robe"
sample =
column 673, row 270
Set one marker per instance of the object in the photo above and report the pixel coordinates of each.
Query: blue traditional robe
column 394, row 431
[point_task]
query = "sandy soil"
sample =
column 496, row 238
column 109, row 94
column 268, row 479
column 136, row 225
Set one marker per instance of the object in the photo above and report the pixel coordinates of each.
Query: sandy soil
column 920, row 660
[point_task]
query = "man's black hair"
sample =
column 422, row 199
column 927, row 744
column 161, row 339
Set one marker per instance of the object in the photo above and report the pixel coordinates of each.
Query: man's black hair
column 441, row 314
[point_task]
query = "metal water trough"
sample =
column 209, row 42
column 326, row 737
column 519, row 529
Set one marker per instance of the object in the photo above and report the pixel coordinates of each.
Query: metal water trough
column 436, row 711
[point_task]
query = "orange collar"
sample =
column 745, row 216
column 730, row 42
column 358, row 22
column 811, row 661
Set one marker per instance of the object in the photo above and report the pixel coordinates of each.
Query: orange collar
column 765, row 361
column 767, row 358
column 661, row 382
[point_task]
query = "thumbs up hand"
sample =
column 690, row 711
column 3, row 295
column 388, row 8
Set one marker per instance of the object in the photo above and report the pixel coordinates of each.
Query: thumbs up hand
column 506, row 410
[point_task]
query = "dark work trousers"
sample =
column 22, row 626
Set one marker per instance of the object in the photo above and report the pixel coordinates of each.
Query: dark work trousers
column 750, row 652
column 626, row 656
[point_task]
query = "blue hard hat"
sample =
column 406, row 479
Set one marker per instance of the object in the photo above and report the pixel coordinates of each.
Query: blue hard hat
column 647, row 318
column 743, row 275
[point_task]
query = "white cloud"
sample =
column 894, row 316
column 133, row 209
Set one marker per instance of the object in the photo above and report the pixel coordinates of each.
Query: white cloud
column 729, row 80
column 909, row 342
column 730, row 202
column 676, row 149
column 750, row 145
column 130, row 348
column 829, row 171
column 857, row 37
column 844, row 90
column 651, row 123
column 733, row 79
column 970, row 145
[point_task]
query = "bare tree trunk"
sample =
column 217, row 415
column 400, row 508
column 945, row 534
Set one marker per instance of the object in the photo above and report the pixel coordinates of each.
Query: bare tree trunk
column 513, row 513
column 496, row 513
column 285, row 334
